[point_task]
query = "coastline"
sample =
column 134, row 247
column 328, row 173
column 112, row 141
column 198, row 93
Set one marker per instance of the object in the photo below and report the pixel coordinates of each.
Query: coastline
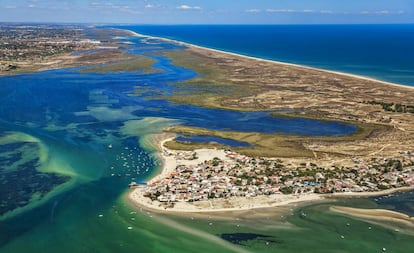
column 164, row 169
column 382, row 217
column 234, row 204
column 272, row 61
column 227, row 205
column 168, row 165
column 370, row 194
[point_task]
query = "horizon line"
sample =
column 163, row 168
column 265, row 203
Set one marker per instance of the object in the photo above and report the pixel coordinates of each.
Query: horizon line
column 189, row 24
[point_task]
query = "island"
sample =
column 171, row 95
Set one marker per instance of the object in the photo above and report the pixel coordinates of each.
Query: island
column 273, row 168
column 377, row 159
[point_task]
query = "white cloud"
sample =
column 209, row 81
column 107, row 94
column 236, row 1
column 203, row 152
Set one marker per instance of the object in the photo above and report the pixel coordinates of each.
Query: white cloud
column 382, row 12
column 108, row 6
column 280, row 10
column 289, row 11
column 308, row 11
column 149, row 6
column 330, row 12
column 253, row 10
column 188, row 7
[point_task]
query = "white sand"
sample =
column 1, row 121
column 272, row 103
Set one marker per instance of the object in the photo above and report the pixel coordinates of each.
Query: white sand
column 371, row 194
column 272, row 61
column 237, row 203
column 170, row 163
column 221, row 205
column 375, row 214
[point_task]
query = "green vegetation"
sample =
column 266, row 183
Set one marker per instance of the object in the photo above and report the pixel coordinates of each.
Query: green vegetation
column 267, row 145
column 218, row 86
column 364, row 130
column 137, row 64
column 286, row 190
column 393, row 107
column 211, row 87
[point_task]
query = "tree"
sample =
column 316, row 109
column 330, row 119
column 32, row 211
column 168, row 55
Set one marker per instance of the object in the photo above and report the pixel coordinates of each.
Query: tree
column 216, row 161
column 286, row 189
column 211, row 195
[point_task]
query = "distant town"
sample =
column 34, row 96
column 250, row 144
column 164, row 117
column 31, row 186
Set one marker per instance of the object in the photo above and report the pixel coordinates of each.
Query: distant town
column 21, row 44
column 244, row 176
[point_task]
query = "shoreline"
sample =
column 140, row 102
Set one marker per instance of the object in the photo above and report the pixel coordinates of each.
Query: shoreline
column 163, row 170
column 370, row 194
column 366, row 78
column 382, row 217
column 373, row 213
column 136, row 198
column 234, row 204
column 168, row 165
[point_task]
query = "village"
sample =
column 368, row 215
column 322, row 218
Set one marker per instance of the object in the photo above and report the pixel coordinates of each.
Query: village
column 22, row 44
column 244, row 176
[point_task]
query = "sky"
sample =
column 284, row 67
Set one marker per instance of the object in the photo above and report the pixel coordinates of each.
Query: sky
column 209, row 11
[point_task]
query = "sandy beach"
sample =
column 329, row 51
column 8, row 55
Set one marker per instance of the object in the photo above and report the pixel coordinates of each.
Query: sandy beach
column 171, row 159
column 369, row 194
column 344, row 110
column 136, row 196
column 169, row 164
column 271, row 61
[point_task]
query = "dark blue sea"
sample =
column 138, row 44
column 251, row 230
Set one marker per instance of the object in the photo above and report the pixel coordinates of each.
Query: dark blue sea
column 384, row 52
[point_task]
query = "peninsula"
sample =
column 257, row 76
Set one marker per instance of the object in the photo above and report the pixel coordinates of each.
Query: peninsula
column 278, row 169
column 274, row 168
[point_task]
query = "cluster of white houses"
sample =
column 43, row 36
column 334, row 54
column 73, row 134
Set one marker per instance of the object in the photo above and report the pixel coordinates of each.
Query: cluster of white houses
column 37, row 42
column 239, row 175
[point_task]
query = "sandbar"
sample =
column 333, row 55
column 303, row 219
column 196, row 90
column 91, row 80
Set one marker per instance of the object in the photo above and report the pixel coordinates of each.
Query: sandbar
column 382, row 217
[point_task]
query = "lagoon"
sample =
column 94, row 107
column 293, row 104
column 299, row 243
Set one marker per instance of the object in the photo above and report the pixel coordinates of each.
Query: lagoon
column 91, row 131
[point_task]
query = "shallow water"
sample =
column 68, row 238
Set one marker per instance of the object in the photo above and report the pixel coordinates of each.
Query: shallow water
column 87, row 129
column 311, row 228
column 212, row 139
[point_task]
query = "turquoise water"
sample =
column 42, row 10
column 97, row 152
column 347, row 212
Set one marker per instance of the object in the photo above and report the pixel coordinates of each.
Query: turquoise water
column 87, row 138
column 311, row 228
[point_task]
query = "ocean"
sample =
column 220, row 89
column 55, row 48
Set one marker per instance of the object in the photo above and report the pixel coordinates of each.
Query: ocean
column 71, row 142
column 383, row 52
